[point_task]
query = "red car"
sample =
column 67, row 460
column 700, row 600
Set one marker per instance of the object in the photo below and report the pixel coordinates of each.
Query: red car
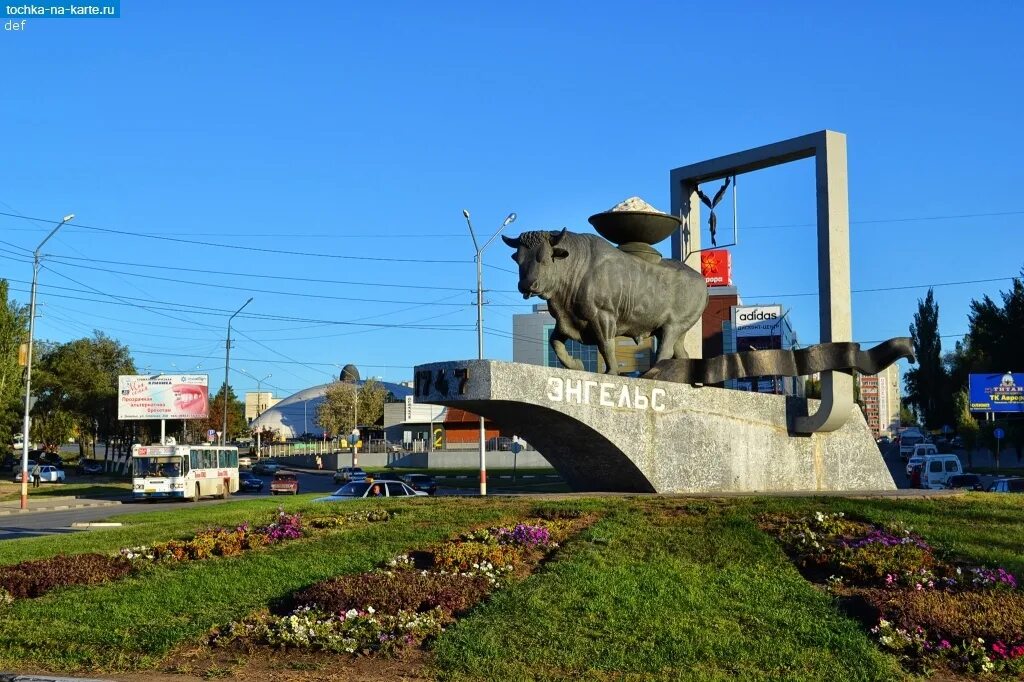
column 284, row 483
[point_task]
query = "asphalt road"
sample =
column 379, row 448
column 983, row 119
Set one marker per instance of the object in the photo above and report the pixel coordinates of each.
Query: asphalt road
column 56, row 522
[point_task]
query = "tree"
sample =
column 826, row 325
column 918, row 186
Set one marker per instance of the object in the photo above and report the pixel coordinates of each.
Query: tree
column 13, row 332
column 928, row 383
column 80, row 379
column 966, row 425
column 236, row 415
column 908, row 417
column 812, row 387
column 995, row 337
column 337, row 414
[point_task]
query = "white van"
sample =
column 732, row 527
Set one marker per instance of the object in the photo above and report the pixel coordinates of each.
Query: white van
column 921, row 450
column 908, row 440
column 937, row 469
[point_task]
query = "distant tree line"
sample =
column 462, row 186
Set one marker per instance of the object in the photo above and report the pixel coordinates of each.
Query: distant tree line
column 994, row 344
column 75, row 387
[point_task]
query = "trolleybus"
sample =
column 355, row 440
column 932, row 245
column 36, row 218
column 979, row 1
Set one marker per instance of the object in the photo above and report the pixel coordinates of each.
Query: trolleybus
column 183, row 471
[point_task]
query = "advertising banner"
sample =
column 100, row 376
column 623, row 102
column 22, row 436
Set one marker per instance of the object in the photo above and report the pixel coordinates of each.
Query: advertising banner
column 163, row 396
column 716, row 266
column 997, row 392
column 757, row 320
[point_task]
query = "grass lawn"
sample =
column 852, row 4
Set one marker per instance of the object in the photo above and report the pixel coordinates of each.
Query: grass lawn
column 658, row 588
column 74, row 487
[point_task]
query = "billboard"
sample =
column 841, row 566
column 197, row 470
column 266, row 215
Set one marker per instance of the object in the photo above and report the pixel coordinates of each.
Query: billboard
column 757, row 320
column 716, row 266
column 997, row 392
column 163, row 396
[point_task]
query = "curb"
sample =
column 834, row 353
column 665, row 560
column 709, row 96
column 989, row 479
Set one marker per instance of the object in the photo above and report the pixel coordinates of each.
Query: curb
column 59, row 507
column 16, row 677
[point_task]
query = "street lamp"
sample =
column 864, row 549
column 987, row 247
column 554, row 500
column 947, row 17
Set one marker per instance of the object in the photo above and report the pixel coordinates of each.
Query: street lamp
column 28, row 364
column 511, row 218
column 227, row 368
column 258, row 410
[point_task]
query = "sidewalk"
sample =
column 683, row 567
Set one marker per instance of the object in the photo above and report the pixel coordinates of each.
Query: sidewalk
column 41, row 504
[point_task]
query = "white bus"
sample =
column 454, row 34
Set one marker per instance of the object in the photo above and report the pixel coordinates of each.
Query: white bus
column 183, row 471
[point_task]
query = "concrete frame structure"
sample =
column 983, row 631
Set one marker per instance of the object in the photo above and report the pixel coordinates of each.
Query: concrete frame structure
column 828, row 148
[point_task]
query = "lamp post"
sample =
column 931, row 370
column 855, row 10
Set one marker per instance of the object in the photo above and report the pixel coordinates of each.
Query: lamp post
column 28, row 363
column 259, row 410
column 480, row 327
column 227, row 368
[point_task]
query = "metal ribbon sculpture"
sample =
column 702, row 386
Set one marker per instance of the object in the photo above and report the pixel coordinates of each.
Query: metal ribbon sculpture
column 711, row 204
column 844, row 356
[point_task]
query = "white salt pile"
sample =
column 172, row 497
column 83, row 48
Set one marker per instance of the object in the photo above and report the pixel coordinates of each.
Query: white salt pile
column 635, row 204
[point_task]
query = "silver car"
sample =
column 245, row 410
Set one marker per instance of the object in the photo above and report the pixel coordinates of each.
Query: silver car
column 367, row 489
column 1007, row 485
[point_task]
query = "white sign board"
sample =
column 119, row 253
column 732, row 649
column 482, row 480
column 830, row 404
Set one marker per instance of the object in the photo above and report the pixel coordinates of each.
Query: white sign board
column 163, row 396
column 757, row 320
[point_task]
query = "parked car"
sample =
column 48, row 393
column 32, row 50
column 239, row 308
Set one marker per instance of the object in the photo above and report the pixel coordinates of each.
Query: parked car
column 266, row 467
column 47, row 474
column 421, row 482
column 90, row 467
column 362, row 489
column 249, row 482
column 964, row 482
column 347, row 474
column 245, row 461
column 284, row 483
column 1007, row 485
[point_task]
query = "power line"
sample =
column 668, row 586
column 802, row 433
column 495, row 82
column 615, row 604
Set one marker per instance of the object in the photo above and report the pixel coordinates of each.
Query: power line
column 255, row 249
column 315, row 280
column 273, row 362
column 179, row 280
column 877, row 221
column 898, row 288
column 123, row 298
column 219, row 312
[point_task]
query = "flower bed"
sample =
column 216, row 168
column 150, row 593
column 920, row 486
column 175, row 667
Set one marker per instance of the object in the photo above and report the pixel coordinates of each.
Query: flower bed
column 407, row 600
column 930, row 611
column 30, row 579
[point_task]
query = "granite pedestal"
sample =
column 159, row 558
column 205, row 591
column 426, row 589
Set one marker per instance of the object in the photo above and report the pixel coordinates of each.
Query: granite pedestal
column 611, row 433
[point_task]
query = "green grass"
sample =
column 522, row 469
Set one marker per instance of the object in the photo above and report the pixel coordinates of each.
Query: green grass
column 86, row 487
column 658, row 588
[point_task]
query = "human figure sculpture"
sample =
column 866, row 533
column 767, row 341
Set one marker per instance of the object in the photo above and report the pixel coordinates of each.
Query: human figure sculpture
column 596, row 292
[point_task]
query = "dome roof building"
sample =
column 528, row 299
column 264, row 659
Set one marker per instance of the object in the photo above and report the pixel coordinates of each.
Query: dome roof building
column 296, row 414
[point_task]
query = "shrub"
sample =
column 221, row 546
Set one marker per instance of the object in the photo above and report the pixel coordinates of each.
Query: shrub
column 394, row 591
column 36, row 578
column 558, row 513
column 464, row 556
column 352, row 631
column 871, row 563
column 957, row 615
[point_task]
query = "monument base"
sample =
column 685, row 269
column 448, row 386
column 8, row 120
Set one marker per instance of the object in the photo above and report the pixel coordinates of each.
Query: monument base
column 611, row 433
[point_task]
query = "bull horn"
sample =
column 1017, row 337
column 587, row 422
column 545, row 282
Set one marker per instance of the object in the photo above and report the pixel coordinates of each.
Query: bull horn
column 511, row 241
column 556, row 237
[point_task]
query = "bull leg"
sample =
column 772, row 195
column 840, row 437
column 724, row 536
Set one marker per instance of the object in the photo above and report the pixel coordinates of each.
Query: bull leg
column 670, row 344
column 558, row 345
column 605, row 335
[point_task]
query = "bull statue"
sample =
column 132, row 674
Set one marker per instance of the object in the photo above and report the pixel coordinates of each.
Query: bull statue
column 596, row 292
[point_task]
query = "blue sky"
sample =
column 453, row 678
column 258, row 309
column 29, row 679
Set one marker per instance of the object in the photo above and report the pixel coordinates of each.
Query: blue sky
column 353, row 132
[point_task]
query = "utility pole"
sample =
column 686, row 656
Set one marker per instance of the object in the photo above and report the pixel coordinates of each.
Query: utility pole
column 480, row 328
column 28, row 364
column 227, row 368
